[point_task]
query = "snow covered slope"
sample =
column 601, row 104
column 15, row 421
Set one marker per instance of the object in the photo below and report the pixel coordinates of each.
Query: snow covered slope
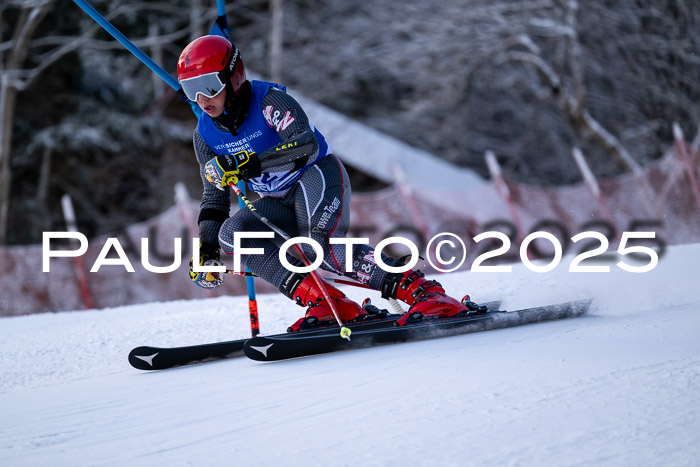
column 618, row 387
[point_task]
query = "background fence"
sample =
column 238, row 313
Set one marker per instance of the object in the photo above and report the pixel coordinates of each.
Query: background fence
column 662, row 198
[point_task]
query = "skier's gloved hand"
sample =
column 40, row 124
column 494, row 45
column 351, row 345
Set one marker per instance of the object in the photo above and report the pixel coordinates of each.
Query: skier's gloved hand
column 208, row 256
column 229, row 168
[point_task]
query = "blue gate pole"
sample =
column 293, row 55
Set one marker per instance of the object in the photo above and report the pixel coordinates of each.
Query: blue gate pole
column 250, row 281
column 122, row 39
column 173, row 83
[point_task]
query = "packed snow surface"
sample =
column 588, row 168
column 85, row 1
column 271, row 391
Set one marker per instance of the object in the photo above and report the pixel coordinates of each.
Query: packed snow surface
column 620, row 386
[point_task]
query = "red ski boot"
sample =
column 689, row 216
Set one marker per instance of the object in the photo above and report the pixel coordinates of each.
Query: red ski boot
column 305, row 291
column 426, row 298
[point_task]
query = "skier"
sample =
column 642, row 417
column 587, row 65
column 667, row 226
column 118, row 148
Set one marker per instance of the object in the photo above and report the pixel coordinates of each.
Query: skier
column 304, row 190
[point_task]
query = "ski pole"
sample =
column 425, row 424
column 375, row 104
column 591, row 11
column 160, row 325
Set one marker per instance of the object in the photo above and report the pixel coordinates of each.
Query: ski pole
column 250, row 285
column 344, row 331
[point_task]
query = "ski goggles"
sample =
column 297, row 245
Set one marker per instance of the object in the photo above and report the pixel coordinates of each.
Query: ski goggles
column 208, row 85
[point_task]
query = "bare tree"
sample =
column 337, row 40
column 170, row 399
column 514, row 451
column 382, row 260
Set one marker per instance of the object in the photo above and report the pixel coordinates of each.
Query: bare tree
column 30, row 15
column 528, row 79
column 567, row 85
column 275, row 49
column 34, row 47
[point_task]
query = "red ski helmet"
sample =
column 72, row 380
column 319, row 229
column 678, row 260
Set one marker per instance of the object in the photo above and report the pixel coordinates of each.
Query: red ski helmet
column 207, row 65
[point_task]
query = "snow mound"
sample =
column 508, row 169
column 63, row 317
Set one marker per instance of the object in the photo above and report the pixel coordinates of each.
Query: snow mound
column 617, row 387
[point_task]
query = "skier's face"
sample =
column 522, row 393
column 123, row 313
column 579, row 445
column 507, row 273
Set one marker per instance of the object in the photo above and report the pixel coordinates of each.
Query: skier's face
column 213, row 106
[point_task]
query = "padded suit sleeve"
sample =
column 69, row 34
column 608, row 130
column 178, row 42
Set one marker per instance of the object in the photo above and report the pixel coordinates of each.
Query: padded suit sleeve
column 216, row 204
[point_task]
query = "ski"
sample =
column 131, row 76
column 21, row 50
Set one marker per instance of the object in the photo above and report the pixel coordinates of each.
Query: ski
column 288, row 346
column 162, row 358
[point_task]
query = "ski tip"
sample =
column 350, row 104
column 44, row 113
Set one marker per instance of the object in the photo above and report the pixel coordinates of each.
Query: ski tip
column 257, row 349
column 581, row 306
column 142, row 358
column 570, row 309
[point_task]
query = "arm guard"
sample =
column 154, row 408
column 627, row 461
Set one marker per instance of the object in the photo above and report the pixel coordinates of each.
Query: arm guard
column 297, row 150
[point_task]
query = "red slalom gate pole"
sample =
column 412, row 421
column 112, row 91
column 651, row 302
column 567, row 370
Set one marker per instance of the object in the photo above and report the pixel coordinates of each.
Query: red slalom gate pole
column 72, row 226
column 687, row 161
